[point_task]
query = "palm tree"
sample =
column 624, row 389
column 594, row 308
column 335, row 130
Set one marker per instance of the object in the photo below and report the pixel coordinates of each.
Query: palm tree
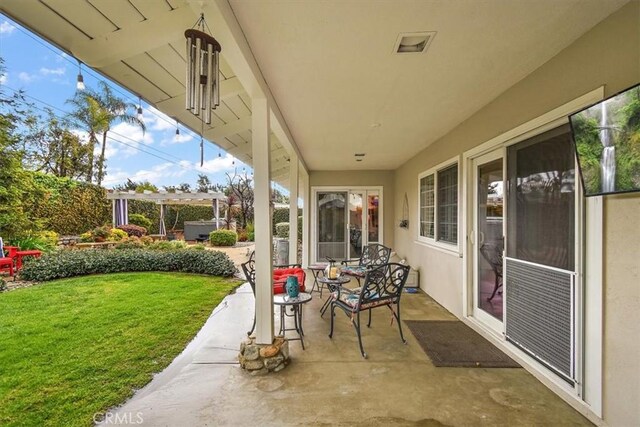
column 116, row 111
column 97, row 112
column 88, row 115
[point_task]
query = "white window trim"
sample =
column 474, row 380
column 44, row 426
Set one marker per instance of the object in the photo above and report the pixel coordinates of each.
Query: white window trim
column 452, row 248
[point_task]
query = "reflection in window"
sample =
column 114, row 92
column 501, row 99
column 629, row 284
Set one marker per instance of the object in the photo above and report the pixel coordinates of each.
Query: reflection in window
column 541, row 175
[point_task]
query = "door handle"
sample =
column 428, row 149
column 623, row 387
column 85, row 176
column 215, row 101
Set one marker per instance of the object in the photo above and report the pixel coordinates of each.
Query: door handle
column 481, row 236
column 472, row 237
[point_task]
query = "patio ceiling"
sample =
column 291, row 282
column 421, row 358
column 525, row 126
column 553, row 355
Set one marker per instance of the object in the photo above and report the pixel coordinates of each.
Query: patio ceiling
column 337, row 86
column 140, row 44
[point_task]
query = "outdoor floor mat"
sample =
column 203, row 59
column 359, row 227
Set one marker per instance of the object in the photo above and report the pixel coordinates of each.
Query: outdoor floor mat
column 454, row 344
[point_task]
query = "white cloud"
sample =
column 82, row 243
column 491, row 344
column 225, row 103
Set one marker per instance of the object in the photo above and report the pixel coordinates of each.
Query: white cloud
column 154, row 174
column 25, row 77
column 156, row 120
column 3, row 78
column 130, row 136
column 218, row 164
column 180, row 139
column 53, row 71
column 6, row 28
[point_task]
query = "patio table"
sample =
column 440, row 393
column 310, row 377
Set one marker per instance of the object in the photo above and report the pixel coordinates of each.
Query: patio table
column 296, row 303
column 316, row 270
column 332, row 285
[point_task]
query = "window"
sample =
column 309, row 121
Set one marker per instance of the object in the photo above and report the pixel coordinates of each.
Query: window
column 439, row 205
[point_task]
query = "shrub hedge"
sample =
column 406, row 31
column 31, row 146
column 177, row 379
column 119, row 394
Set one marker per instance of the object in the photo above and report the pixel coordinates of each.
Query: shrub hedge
column 282, row 230
column 140, row 220
column 63, row 264
column 223, row 238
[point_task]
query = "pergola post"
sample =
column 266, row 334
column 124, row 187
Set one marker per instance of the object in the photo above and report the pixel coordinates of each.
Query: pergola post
column 263, row 233
column 217, row 207
column 293, row 209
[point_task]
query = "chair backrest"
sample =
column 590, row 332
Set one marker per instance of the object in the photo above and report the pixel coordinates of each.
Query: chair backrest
column 375, row 254
column 492, row 253
column 384, row 283
column 249, row 269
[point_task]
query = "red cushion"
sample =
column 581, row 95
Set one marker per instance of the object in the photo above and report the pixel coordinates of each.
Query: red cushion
column 280, row 278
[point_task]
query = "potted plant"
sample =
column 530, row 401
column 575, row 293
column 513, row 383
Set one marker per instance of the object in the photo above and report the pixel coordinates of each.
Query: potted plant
column 100, row 234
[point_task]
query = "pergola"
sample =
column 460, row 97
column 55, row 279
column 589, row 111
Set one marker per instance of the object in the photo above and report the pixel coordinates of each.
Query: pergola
column 120, row 203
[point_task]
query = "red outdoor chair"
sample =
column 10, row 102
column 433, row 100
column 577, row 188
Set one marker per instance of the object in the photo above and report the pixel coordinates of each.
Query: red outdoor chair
column 6, row 262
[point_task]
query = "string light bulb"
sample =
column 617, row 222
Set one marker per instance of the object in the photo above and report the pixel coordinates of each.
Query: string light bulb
column 80, row 78
column 177, row 128
column 139, row 115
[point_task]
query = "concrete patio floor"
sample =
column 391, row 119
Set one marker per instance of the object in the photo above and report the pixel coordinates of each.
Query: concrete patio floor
column 329, row 383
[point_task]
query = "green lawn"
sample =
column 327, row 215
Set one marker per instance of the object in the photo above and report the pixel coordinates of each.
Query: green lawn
column 74, row 347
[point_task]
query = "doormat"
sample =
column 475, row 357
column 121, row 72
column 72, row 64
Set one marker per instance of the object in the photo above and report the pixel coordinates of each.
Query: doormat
column 454, row 344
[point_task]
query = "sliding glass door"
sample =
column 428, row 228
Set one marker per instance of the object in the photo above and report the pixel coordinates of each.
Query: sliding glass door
column 488, row 239
column 347, row 220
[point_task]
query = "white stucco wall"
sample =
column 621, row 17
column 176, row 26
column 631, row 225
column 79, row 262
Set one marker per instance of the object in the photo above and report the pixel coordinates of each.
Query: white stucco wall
column 609, row 55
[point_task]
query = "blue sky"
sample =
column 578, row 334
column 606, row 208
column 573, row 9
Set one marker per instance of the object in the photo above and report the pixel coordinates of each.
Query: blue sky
column 48, row 76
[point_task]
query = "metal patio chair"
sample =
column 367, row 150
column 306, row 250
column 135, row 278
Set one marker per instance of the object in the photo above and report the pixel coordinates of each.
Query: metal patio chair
column 373, row 255
column 382, row 288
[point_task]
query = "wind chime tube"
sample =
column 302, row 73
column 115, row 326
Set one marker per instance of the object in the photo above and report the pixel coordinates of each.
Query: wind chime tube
column 216, row 80
column 202, row 79
column 189, row 73
column 196, row 83
column 201, row 152
column 210, row 82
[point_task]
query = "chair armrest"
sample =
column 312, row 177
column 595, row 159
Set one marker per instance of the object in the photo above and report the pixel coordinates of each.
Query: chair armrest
column 350, row 261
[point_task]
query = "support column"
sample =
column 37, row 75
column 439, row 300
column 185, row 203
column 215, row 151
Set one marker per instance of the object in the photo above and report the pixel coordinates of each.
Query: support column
column 306, row 217
column 217, row 208
column 260, row 128
column 293, row 209
column 113, row 215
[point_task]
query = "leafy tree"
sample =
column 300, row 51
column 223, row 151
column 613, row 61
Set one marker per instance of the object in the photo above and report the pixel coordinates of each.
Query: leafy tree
column 138, row 187
column 184, row 187
column 204, row 184
column 14, row 181
column 146, row 186
column 240, row 192
column 52, row 148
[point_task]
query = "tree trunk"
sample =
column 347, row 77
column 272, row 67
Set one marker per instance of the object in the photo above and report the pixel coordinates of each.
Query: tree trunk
column 92, row 144
column 101, row 159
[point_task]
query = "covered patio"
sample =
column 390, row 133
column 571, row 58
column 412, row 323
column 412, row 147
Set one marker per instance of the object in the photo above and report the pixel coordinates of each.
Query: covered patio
column 410, row 114
column 330, row 384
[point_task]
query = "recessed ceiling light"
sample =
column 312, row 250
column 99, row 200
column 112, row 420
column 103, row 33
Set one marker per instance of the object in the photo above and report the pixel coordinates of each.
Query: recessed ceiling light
column 359, row 154
column 375, row 125
column 414, row 42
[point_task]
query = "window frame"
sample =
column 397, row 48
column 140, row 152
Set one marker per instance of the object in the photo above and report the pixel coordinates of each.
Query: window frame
column 435, row 240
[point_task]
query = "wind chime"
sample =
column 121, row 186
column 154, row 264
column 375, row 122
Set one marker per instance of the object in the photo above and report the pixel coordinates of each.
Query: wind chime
column 203, row 74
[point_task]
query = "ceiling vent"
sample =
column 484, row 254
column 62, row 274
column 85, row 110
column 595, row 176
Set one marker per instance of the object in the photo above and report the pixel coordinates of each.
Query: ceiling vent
column 414, row 42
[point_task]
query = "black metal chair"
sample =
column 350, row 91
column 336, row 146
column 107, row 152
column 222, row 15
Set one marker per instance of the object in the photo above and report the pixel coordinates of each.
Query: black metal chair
column 382, row 288
column 373, row 255
column 492, row 253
